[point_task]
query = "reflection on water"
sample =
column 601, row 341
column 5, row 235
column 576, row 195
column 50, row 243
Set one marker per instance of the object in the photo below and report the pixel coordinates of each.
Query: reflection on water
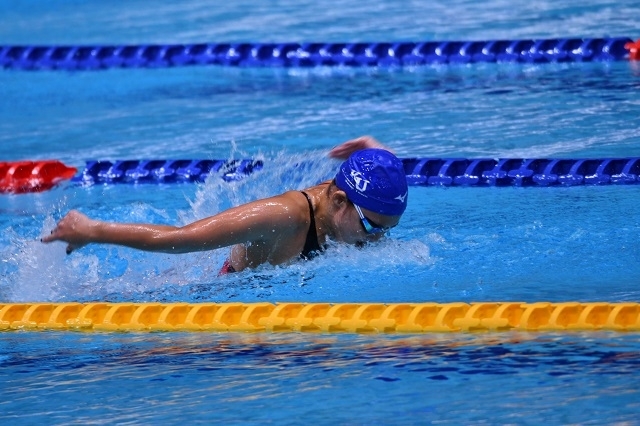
column 434, row 356
column 211, row 375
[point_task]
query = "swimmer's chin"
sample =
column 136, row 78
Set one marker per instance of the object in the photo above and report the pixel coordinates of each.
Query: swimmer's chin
column 360, row 244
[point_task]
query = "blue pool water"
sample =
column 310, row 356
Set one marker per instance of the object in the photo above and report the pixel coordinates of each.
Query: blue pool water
column 456, row 244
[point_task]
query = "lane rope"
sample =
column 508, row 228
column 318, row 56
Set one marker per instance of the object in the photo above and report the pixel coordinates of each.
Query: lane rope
column 36, row 176
column 385, row 54
column 323, row 317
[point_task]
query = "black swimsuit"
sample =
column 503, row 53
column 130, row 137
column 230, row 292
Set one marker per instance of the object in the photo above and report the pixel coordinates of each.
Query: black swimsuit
column 311, row 246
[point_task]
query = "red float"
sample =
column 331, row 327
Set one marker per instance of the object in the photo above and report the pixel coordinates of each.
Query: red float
column 634, row 50
column 21, row 177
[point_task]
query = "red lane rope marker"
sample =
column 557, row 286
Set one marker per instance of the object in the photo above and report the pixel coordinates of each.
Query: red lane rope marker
column 20, row 177
column 634, row 50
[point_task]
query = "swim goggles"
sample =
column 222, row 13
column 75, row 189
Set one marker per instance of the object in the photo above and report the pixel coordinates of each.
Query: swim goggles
column 370, row 227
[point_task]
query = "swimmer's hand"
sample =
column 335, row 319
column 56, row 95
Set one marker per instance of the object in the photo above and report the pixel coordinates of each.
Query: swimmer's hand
column 74, row 229
column 344, row 150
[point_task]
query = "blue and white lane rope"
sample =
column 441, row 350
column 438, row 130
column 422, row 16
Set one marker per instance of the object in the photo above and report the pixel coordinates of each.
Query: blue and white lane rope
column 419, row 171
column 382, row 54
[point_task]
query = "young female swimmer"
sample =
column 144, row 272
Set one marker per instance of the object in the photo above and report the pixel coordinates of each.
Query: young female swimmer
column 366, row 198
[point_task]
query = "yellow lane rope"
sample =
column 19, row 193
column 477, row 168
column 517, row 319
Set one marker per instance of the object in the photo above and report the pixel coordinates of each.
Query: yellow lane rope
column 323, row 317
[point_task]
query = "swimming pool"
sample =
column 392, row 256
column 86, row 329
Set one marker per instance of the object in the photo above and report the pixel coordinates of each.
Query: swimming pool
column 454, row 244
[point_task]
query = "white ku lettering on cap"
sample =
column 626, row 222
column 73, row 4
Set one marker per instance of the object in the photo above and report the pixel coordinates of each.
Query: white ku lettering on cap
column 361, row 183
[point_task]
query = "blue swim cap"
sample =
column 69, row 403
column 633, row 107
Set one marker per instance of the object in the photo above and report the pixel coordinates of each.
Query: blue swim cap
column 374, row 179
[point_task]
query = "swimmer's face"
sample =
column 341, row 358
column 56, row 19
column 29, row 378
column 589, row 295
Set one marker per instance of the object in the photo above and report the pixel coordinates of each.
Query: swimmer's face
column 360, row 227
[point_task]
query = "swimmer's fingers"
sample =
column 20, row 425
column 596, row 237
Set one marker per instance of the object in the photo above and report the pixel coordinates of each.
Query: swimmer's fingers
column 71, row 229
column 59, row 233
column 344, row 150
column 53, row 236
column 71, row 248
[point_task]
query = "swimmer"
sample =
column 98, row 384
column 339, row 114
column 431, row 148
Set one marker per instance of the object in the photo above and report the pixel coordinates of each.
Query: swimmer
column 365, row 199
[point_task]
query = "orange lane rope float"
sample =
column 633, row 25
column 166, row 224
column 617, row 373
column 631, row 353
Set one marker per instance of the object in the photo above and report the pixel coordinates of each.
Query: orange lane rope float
column 323, row 317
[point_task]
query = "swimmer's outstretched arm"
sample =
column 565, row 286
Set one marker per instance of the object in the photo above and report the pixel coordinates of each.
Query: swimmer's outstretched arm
column 259, row 221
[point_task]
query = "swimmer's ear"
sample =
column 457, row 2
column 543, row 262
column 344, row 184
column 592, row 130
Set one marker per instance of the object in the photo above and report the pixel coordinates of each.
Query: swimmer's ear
column 339, row 199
